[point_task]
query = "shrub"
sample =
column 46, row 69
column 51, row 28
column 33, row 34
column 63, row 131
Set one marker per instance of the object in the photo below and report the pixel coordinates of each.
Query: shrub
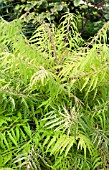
column 53, row 97
column 92, row 14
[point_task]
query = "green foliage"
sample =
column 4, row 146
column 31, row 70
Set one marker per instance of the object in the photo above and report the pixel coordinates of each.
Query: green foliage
column 77, row 2
column 92, row 14
column 54, row 97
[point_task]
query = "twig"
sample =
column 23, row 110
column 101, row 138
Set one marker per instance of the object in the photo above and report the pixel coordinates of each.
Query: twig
column 52, row 43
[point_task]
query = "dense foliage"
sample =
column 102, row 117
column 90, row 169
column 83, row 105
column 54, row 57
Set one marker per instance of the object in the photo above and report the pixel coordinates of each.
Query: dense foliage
column 54, row 97
column 92, row 14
